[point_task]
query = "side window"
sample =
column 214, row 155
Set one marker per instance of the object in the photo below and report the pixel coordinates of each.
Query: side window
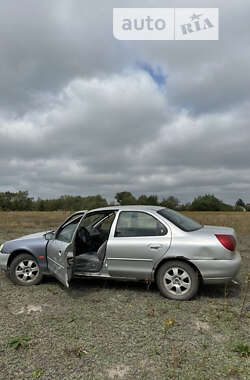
column 66, row 233
column 92, row 219
column 137, row 223
column 105, row 226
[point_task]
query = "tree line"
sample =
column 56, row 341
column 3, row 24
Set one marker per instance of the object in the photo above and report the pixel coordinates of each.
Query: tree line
column 21, row 201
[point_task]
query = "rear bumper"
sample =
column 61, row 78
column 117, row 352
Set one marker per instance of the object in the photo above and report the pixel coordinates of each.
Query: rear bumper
column 218, row 271
column 4, row 258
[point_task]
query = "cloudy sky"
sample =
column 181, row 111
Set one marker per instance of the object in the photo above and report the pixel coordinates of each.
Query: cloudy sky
column 83, row 113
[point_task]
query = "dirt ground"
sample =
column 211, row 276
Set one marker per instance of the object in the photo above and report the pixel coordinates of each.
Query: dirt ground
column 116, row 330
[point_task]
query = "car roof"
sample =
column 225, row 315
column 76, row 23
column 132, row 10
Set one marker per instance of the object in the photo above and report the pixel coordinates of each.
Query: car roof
column 129, row 208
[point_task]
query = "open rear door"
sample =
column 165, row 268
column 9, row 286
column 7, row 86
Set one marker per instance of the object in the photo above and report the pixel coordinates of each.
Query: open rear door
column 58, row 254
column 61, row 249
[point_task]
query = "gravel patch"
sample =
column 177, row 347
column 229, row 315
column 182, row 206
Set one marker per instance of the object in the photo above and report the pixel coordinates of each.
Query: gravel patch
column 115, row 330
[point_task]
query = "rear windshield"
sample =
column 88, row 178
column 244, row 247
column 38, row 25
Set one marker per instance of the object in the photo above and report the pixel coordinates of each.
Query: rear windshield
column 181, row 221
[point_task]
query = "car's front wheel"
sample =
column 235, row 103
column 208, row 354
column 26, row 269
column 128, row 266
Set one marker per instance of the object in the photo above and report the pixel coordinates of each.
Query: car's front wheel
column 25, row 271
column 177, row 280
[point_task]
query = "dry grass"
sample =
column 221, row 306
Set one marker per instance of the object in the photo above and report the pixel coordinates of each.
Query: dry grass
column 240, row 221
column 17, row 223
column 31, row 219
column 116, row 330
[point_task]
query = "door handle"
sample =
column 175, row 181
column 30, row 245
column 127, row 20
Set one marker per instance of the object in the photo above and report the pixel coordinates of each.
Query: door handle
column 155, row 246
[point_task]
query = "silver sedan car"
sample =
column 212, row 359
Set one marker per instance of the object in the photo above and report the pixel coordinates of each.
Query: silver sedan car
column 145, row 243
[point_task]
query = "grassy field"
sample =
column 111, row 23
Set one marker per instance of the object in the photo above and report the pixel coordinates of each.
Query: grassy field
column 240, row 221
column 116, row 330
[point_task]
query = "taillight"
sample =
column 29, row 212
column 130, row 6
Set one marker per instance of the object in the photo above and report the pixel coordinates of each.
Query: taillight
column 228, row 241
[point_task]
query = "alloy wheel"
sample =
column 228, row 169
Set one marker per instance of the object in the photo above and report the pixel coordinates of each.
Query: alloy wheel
column 177, row 281
column 27, row 271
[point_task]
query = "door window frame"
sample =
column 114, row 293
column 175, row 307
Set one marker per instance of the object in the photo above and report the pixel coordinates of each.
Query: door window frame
column 77, row 221
column 115, row 223
column 79, row 214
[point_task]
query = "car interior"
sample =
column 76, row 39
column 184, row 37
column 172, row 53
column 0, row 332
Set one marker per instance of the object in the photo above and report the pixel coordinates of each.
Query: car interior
column 91, row 242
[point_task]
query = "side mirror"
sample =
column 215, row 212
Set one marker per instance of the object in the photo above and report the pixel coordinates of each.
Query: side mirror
column 49, row 235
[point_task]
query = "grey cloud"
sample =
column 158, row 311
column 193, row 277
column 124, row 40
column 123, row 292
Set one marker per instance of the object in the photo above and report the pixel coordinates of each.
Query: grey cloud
column 92, row 116
column 79, row 115
column 44, row 47
column 91, row 140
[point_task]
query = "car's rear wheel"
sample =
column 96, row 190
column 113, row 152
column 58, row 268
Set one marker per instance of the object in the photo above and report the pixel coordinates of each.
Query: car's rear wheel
column 177, row 280
column 25, row 271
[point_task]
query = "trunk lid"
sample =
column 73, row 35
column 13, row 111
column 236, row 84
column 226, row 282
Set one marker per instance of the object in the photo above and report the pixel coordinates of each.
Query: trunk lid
column 213, row 230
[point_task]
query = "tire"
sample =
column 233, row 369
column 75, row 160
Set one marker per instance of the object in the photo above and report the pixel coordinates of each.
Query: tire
column 177, row 280
column 25, row 271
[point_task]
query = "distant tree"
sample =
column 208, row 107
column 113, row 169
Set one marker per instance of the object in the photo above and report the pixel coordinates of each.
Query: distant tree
column 171, row 202
column 70, row 203
column 248, row 206
column 11, row 201
column 92, row 202
column 208, row 202
column 125, row 198
column 142, row 200
column 184, row 206
column 22, row 201
column 48, row 205
column 226, row 207
column 151, row 200
column 19, row 201
column 240, row 205
column 5, row 201
column 39, row 205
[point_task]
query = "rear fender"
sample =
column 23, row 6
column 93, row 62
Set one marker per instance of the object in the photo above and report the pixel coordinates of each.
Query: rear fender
column 179, row 258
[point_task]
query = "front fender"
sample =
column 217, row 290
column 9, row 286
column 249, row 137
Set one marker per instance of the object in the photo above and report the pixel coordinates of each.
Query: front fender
column 34, row 247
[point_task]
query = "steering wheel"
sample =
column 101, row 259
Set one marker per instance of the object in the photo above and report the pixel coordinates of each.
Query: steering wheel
column 83, row 235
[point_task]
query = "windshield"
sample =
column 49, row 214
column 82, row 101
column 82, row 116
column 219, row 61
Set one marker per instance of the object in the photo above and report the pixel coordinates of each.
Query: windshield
column 90, row 220
column 181, row 221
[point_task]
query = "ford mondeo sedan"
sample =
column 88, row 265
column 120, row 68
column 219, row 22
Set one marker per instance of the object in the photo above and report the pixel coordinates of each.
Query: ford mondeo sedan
column 145, row 243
